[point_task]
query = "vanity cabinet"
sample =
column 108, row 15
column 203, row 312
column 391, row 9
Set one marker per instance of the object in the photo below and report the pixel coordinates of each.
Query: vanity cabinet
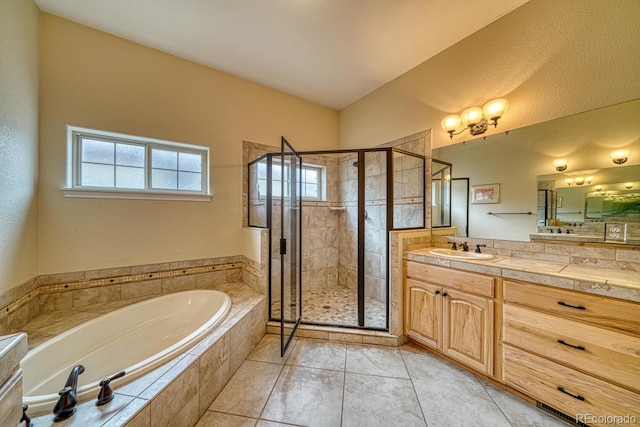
column 576, row 352
column 451, row 311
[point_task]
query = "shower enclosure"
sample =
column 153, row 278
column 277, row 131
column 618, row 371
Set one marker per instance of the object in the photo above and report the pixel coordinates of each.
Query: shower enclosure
column 350, row 200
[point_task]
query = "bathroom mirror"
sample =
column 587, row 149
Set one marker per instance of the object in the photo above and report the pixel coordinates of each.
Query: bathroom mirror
column 516, row 159
column 440, row 194
column 609, row 193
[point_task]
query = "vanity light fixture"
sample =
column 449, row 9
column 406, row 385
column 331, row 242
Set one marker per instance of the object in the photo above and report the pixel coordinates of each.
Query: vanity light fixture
column 589, row 179
column 619, row 156
column 569, row 181
column 598, row 188
column 579, row 180
column 476, row 119
column 628, row 185
column 560, row 164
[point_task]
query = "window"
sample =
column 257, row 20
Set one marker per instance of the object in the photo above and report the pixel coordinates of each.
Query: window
column 312, row 177
column 106, row 164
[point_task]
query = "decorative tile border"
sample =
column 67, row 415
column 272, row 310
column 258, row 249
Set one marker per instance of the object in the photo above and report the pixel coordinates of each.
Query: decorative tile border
column 86, row 284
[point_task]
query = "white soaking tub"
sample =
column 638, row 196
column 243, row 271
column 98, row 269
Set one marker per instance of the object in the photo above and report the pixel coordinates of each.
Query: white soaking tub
column 136, row 338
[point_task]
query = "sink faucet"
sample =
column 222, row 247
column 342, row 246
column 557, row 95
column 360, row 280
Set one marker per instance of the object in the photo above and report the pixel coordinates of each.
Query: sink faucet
column 66, row 405
column 465, row 247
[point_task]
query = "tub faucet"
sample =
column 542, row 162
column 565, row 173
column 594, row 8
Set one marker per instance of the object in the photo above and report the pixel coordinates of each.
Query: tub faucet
column 465, row 247
column 66, row 405
column 478, row 251
column 454, row 246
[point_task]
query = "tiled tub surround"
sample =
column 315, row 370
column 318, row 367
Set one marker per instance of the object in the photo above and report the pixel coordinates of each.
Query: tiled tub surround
column 75, row 290
column 12, row 349
column 179, row 392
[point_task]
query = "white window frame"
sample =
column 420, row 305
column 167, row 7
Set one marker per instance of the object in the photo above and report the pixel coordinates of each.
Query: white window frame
column 74, row 188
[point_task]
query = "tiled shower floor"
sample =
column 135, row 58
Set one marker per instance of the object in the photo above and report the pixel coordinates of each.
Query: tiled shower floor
column 325, row 384
column 339, row 306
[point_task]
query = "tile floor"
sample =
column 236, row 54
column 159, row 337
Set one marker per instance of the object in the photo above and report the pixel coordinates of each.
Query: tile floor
column 320, row 383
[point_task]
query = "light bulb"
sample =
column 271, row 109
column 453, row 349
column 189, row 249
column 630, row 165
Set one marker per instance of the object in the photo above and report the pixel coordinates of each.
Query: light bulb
column 495, row 108
column 619, row 156
column 471, row 116
column 560, row 164
column 451, row 123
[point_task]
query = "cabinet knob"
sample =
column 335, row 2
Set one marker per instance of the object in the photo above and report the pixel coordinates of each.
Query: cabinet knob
column 444, row 294
column 437, row 292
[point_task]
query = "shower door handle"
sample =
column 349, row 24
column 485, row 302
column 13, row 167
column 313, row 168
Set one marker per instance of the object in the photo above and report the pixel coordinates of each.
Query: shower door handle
column 283, row 246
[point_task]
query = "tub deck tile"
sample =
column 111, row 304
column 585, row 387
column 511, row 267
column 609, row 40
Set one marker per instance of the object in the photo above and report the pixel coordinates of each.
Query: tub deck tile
column 57, row 322
column 199, row 374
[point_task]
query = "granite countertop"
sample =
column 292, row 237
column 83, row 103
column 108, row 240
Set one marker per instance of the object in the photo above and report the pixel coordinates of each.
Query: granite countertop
column 622, row 284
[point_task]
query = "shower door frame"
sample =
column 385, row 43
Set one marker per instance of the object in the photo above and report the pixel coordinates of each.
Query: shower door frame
column 361, row 153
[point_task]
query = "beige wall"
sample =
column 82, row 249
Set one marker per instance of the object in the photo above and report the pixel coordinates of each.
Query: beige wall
column 548, row 58
column 91, row 79
column 18, row 142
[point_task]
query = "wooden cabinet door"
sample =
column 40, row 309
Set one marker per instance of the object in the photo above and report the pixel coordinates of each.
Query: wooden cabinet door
column 423, row 311
column 468, row 329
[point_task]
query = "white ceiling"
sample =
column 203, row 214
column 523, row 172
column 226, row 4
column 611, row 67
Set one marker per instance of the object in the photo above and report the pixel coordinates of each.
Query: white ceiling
column 332, row 52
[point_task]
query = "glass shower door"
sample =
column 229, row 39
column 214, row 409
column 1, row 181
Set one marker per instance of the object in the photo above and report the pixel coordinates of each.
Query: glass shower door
column 290, row 244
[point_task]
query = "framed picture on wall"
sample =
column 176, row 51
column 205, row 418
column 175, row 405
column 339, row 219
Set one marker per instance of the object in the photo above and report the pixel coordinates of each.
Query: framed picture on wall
column 486, row 193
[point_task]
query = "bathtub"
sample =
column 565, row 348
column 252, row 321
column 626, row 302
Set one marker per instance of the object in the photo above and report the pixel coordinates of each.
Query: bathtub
column 136, row 338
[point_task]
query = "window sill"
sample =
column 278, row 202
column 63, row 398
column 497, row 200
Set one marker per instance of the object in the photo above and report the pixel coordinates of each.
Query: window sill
column 92, row 193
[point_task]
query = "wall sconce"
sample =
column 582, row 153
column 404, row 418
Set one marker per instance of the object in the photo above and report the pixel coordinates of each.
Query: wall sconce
column 579, row 180
column 569, row 181
column 628, row 185
column 476, row 119
column 598, row 188
column 560, row 164
column 619, row 156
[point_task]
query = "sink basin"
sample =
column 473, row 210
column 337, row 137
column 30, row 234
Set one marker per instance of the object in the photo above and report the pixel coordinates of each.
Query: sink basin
column 448, row 253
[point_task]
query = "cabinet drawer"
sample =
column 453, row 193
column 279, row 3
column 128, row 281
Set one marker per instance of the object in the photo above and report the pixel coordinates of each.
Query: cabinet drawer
column 566, row 390
column 604, row 311
column 469, row 282
column 611, row 355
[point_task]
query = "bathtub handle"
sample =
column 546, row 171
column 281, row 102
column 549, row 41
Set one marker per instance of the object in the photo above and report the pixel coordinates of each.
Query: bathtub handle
column 106, row 394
